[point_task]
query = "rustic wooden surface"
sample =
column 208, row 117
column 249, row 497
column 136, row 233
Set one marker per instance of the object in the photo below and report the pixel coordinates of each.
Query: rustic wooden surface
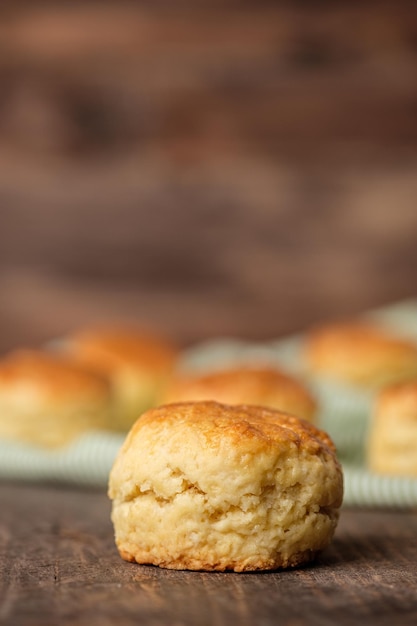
column 59, row 565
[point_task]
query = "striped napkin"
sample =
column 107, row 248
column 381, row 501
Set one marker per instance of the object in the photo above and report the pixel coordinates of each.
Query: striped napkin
column 344, row 414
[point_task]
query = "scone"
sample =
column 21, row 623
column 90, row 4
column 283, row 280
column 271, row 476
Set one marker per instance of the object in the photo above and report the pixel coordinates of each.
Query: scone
column 360, row 354
column 48, row 401
column 137, row 364
column 392, row 443
column 263, row 386
column 209, row 486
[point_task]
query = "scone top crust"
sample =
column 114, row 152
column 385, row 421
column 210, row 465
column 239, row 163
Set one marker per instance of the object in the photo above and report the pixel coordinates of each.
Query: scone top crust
column 360, row 353
column 264, row 386
column 111, row 348
column 237, row 423
column 53, row 376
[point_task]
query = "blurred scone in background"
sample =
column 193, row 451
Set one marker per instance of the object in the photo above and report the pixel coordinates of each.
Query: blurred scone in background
column 48, row 401
column 247, row 384
column 136, row 362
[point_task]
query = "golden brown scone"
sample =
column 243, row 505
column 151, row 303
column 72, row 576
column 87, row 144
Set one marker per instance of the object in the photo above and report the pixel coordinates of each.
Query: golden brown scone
column 360, row 354
column 48, row 401
column 263, row 386
column 208, row 486
column 137, row 364
column 392, row 443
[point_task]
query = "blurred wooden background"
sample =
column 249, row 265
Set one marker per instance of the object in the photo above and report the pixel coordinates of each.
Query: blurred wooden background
column 242, row 168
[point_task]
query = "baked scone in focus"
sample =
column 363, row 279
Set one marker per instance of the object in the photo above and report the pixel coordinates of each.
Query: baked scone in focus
column 208, row 486
column 360, row 354
column 263, row 386
column 48, row 401
column 392, row 442
column 137, row 364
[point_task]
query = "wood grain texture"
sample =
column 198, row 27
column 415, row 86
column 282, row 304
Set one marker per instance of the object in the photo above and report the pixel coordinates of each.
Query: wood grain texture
column 59, row 565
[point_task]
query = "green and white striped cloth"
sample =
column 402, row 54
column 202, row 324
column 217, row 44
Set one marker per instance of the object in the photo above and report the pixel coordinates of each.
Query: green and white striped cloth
column 86, row 462
column 344, row 414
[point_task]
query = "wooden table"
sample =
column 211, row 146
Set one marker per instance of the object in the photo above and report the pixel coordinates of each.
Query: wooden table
column 59, row 565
